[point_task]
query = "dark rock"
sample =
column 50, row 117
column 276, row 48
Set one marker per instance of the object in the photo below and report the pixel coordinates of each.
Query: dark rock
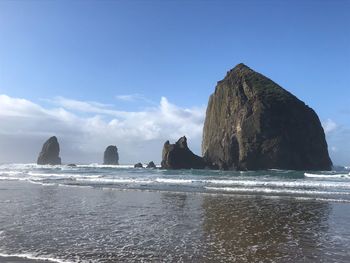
column 179, row 156
column 111, row 156
column 151, row 165
column 72, row 165
column 252, row 123
column 138, row 165
column 50, row 152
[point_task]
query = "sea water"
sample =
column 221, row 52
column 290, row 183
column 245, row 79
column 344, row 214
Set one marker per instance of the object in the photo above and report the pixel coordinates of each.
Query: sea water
column 98, row 213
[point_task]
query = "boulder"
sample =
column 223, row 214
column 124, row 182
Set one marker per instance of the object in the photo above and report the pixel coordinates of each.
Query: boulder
column 50, row 152
column 151, row 165
column 179, row 156
column 111, row 156
column 138, row 165
column 252, row 123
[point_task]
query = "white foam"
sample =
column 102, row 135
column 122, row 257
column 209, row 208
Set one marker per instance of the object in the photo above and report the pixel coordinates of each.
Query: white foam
column 289, row 184
column 176, row 181
column 247, row 182
column 347, row 176
column 5, row 178
column 62, row 175
column 275, row 191
column 10, row 173
column 96, row 165
column 113, row 180
column 323, row 199
column 32, row 257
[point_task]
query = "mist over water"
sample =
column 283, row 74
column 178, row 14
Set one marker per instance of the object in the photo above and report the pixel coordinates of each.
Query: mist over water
column 95, row 213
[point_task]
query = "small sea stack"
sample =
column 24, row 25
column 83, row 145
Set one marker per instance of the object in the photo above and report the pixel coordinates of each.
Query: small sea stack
column 179, row 156
column 111, row 156
column 252, row 123
column 138, row 165
column 151, row 165
column 50, row 152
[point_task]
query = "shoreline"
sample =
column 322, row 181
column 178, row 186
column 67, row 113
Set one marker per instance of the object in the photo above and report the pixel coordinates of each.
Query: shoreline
column 223, row 193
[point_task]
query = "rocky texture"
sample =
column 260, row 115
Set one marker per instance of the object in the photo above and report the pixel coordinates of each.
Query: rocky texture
column 179, row 156
column 252, row 123
column 151, row 165
column 111, row 156
column 50, row 152
column 138, row 165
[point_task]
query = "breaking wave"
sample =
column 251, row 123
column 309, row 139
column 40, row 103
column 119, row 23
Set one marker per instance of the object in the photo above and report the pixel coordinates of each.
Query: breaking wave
column 270, row 182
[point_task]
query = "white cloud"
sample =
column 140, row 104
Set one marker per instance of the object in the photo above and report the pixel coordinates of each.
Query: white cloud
column 334, row 149
column 127, row 97
column 338, row 140
column 139, row 135
column 87, row 107
column 134, row 98
column 329, row 126
column 84, row 129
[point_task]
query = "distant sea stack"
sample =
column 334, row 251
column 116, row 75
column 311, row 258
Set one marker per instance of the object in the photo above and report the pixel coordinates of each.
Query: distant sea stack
column 138, row 165
column 50, row 152
column 151, row 165
column 111, row 156
column 179, row 156
column 252, row 123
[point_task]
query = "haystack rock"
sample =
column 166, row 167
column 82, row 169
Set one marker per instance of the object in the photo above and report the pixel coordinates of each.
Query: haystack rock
column 179, row 156
column 252, row 123
column 111, row 156
column 50, row 152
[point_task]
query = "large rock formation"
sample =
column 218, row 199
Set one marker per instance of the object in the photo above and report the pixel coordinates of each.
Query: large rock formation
column 252, row 123
column 179, row 156
column 50, row 152
column 111, row 156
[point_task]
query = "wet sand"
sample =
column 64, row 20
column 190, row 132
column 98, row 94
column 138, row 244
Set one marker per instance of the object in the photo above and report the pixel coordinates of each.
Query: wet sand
column 105, row 226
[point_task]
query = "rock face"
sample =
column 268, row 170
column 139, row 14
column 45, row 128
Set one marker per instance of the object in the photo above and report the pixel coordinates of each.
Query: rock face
column 151, row 165
column 50, row 152
column 111, row 156
column 179, row 156
column 252, row 123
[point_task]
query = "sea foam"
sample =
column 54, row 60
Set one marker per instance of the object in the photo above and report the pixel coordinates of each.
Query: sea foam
column 33, row 257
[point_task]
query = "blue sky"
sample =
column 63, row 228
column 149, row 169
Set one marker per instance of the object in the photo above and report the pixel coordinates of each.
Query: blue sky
column 127, row 55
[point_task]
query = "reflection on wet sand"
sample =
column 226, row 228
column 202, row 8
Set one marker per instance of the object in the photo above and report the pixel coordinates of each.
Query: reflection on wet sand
column 93, row 225
column 265, row 229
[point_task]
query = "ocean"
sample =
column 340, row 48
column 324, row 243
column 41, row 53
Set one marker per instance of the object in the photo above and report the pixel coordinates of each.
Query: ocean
column 99, row 213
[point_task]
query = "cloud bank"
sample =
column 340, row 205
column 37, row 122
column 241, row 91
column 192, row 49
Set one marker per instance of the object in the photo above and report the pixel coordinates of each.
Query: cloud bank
column 338, row 139
column 84, row 129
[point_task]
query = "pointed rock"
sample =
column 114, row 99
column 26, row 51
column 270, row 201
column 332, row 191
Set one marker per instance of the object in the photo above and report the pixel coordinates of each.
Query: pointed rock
column 138, row 165
column 111, row 156
column 252, row 123
column 151, row 165
column 179, row 156
column 50, row 152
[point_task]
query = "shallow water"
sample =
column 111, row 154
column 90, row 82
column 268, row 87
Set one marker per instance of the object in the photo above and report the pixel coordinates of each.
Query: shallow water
column 105, row 214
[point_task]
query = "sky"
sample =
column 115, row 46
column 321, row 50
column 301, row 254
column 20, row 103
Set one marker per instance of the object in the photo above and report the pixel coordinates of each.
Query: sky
column 137, row 73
